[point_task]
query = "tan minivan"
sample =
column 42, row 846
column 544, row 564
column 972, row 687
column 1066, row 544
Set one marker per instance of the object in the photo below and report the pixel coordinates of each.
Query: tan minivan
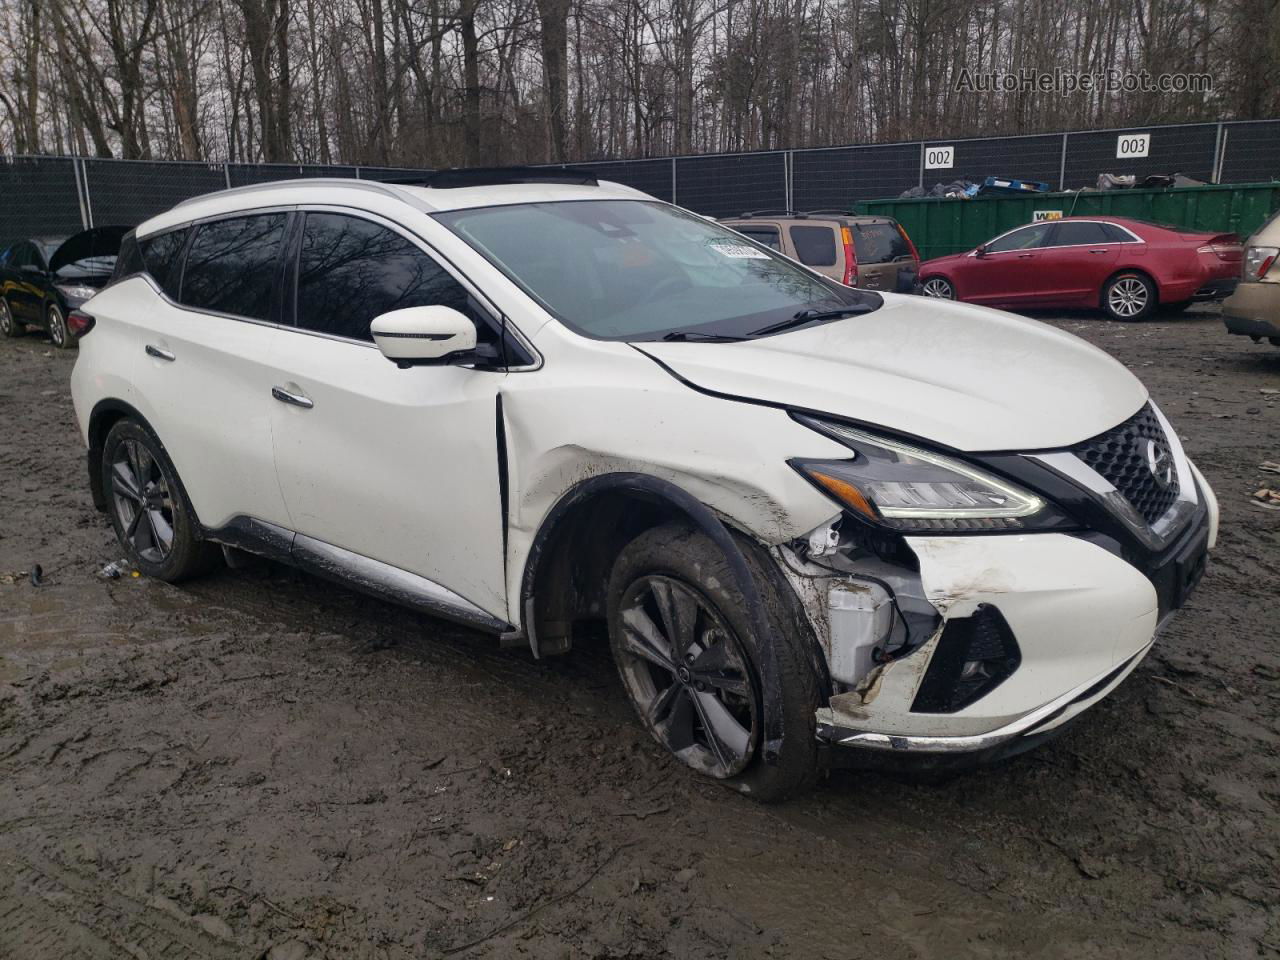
column 1254, row 309
column 871, row 253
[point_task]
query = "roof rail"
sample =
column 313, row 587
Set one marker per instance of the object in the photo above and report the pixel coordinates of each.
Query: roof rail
column 377, row 186
column 457, row 177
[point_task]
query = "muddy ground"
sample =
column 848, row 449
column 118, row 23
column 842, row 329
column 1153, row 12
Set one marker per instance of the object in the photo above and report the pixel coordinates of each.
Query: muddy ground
column 260, row 764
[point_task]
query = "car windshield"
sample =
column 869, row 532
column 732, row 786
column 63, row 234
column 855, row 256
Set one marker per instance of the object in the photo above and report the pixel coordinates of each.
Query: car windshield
column 639, row 270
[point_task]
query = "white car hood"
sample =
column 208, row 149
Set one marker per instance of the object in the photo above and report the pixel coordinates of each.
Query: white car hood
column 968, row 377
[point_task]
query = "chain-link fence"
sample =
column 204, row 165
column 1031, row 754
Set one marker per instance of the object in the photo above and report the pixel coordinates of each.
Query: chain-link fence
column 56, row 196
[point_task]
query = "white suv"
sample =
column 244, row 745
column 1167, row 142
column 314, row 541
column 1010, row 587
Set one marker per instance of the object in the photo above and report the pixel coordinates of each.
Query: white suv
column 537, row 404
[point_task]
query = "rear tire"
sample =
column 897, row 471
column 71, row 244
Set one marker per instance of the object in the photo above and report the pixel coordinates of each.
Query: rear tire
column 148, row 506
column 690, row 663
column 9, row 325
column 1129, row 297
column 57, row 325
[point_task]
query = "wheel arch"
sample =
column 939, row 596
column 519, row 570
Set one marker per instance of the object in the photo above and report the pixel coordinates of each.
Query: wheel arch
column 106, row 414
column 567, row 567
column 1119, row 271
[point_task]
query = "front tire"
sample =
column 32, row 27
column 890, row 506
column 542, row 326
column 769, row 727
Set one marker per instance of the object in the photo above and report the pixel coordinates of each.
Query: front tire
column 939, row 288
column 690, row 661
column 58, row 332
column 148, row 506
column 1129, row 297
column 9, row 325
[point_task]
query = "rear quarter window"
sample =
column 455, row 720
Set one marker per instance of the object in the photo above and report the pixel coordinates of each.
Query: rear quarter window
column 815, row 246
column 162, row 258
column 128, row 261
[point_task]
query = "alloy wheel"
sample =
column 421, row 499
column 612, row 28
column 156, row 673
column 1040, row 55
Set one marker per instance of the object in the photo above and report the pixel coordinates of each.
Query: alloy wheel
column 940, row 288
column 142, row 502
column 1127, row 297
column 6, row 318
column 688, row 676
column 57, row 327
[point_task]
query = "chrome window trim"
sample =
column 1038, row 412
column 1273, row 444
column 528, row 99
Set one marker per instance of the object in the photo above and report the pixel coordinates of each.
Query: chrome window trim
column 150, row 281
column 1065, row 246
column 213, row 217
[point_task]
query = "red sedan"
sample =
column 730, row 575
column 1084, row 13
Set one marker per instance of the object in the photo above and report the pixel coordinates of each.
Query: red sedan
column 1127, row 268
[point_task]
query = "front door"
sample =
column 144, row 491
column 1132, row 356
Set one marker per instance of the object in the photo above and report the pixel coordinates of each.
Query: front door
column 1006, row 272
column 397, row 465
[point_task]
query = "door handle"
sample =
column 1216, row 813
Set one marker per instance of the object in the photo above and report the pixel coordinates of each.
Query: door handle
column 154, row 351
column 1097, row 251
column 297, row 399
column 1025, row 256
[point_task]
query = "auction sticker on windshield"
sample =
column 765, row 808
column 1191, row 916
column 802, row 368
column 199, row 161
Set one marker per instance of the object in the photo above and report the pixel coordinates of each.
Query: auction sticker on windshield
column 739, row 251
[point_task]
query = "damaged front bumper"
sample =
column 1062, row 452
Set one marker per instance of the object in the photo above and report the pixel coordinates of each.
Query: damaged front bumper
column 1028, row 631
column 1039, row 721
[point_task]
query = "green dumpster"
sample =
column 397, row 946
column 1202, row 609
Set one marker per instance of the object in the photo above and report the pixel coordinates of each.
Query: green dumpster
column 940, row 226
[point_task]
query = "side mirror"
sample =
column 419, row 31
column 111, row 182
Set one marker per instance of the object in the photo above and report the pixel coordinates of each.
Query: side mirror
column 980, row 250
column 425, row 336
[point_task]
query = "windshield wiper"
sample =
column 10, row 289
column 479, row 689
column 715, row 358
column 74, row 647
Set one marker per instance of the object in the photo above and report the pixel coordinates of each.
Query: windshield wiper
column 810, row 316
column 694, row 336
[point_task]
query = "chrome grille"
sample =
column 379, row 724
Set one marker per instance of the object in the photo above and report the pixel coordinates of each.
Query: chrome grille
column 1123, row 457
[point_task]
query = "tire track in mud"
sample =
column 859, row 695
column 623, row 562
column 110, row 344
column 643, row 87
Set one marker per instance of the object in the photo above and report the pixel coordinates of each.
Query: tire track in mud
column 49, row 911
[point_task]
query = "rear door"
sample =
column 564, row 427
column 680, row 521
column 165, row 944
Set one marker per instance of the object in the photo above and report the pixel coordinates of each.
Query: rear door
column 817, row 244
column 397, row 465
column 1077, row 259
column 203, row 379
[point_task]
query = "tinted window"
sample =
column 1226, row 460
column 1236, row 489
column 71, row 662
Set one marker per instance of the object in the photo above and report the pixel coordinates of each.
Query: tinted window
column 1072, row 234
column 232, row 265
column 878, row 243
column 129, row 260
column 1023, row 239
column 351, row 270
column 42, row 250
column 20, row 255
column 815, row 246
column 162, row 254
column 766, row 235
column 1117, row 234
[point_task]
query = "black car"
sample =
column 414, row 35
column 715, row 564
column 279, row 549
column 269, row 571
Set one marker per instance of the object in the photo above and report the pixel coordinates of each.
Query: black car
column 45, row 278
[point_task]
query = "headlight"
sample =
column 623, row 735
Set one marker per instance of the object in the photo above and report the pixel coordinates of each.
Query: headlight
column 912, row 490
column 76, row 291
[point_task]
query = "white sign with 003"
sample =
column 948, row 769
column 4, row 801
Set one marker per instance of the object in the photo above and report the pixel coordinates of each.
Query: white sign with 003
column 1129, row 145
